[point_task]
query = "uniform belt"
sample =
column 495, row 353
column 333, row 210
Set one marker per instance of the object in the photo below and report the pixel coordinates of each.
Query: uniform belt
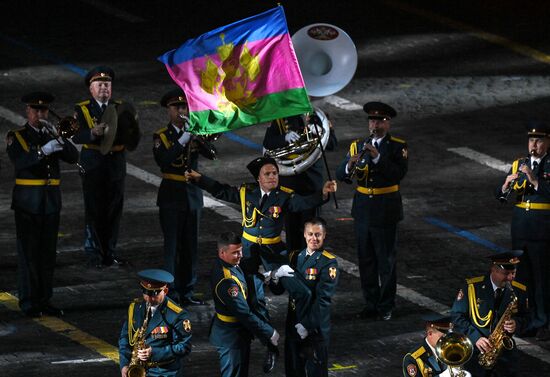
column 262, row 240
column 377, row 190
column 37, row 182
column 174, row 177
column 529, row 205
column 114, row 148
column 155, row 364
column 227, row 318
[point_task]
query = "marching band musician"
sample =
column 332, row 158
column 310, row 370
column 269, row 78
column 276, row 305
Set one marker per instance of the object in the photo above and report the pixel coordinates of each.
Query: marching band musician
column 264, row 205
column 280, row 134
column 104, row 176
column 36, row 201
column 166, row 336
column 379, row 163
column 423, row 360
column 480, row 304
column 529, row 178
column 179, row 203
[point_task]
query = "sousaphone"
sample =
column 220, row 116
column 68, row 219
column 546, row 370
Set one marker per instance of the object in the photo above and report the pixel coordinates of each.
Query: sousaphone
column 122, row 127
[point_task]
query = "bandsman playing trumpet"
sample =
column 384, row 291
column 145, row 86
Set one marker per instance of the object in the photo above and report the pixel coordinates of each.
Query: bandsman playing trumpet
column 529, row 180
column 478, row 309
column 378, row 163
column 36, row 201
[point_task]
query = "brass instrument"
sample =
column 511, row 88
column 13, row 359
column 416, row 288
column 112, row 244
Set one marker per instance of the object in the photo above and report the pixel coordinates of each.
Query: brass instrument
column 455, row 350
column 122, row 127
column 499, row 338
column 506, row 194
column 137, row 367
column 355, row 166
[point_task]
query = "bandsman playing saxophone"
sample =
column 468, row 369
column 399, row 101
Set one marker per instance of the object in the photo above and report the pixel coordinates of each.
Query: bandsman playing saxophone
column 166, row 338
column 479, row 306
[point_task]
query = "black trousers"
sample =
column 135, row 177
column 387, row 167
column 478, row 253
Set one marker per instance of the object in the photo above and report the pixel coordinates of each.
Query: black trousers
column 181, row 234
column 36, row 254
column 103, row 203
column 376, row 252
column 534, row 271
column 305, row 358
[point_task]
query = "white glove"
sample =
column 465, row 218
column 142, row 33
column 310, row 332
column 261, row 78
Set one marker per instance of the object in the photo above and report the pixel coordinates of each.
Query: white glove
column 267, row 277
column 302, row 331
column 275, row 337
column 51, row 147
column 314, row 129
column 184, row 139
column 291, row 137
column 285, row 271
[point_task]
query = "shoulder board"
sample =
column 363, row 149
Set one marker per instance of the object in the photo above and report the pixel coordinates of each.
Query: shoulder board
column 137, row 300
column 83, row 103
column 475, row 280
column 519, row 285
column 396, row 139
column 419, row 352
column 161, row 130
column 328, row 255
column 249, row 186
column 286, row 189
column 175, row 308
column 16, row 130
column 117, row 101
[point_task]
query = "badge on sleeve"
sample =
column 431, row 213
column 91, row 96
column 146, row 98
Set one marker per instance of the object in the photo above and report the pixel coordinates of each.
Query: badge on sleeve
column 332, row 272
column 405, row 153
column 9, row 140
column 157, row 143
column 233, row 291
column 460, row 295
column 411, row 370
column 187, row 325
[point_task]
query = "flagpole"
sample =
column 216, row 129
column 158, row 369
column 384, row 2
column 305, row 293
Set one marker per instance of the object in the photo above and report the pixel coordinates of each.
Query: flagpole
column 329, row 176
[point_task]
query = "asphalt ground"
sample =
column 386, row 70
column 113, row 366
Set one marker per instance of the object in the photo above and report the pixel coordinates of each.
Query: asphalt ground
column 464, row 77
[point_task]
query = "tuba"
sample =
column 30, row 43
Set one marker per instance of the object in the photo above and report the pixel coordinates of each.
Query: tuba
column 455, row 350
column 328, row 59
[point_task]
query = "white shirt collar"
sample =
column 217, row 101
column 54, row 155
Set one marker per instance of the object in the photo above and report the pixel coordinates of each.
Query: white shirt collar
column 101, row 103
column 310, row 253
column 495, row 287
column 264, row 193
column 429, row 345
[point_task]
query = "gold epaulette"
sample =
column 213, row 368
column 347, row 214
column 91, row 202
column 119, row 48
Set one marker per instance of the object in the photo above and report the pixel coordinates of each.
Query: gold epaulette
column 17, row 129
column 83, row 103
column 286, row 189
column 519, row 285
column 475, row 280
column 137, row 300
column 419, row 352
column 160, row 130
column 328, row 255
column 172, row 306
column 393, row 138
column 117, row 101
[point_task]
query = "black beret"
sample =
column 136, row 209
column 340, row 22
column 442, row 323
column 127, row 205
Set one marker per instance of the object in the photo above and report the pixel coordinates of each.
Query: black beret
column 100, row 73
column 379, row 110
column 507, row 259
column 255, row 165
column 38, row 99
column 537, row 128
column 173, row 97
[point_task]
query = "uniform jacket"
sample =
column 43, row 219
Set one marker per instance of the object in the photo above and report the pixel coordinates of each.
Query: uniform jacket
column 22, row 148
column 383, row 209
column 478, row 296
column 171, row 157
column 531, row 224
column 168, row 333
column 234, row 325
column 422, row 362
column 320, row 273
column 312, row 179
column 90, row 158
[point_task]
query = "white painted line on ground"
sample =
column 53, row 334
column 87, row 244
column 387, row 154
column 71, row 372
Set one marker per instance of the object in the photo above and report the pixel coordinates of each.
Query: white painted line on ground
column 342, row 103
column 82, row 361
column 113, row 11
column 482, row 158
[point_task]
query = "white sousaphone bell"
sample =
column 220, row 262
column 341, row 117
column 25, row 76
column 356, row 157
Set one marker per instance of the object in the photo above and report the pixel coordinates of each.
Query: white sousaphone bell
column 328, row 59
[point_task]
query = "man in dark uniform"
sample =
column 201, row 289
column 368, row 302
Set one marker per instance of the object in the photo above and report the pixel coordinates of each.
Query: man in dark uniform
column 307, row 340
column 103, row 179
column 234, row 324
column 530, row 179
column 179, row 203
column 167, row 333
column 481, row 303
column 379, row 163
column 35, row 153
column 423, row 360
column 280, row 134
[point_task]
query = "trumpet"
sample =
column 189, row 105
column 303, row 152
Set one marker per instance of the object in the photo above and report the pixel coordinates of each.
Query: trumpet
column 503, row 198
column 354, row 168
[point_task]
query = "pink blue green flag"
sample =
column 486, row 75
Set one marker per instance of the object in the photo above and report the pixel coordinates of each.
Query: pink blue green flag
column 239, row 75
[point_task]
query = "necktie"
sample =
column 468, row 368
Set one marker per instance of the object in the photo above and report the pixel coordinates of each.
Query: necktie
column 498, row 298
column 376, row 145
column 103, row 107
column 263, row 200
column 535, row 167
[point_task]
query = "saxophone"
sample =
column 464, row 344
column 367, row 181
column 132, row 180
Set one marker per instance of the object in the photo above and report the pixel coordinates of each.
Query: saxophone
column 137, row 367
column 499, row 338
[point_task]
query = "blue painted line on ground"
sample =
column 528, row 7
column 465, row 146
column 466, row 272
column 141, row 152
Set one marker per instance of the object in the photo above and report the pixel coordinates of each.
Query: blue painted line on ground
column 82, row 72
column 464, row 234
